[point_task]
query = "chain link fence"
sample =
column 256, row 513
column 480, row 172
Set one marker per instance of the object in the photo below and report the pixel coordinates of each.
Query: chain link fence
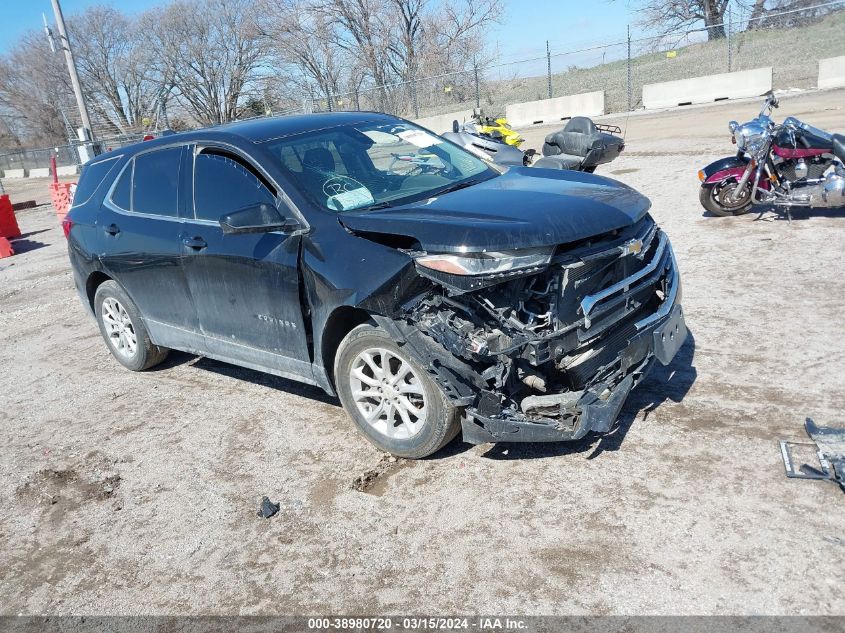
column 789, row 41
column 620, row 68
column 66, row 155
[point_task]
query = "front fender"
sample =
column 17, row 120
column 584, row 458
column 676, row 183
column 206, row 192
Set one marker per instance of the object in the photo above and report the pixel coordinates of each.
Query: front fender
column 724, row 168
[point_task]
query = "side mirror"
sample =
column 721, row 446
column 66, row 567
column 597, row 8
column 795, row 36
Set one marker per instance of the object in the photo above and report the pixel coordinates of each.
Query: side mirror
column 260, row 218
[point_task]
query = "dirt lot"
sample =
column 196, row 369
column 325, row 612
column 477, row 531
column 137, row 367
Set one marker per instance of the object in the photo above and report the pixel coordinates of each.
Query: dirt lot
column 137, row 493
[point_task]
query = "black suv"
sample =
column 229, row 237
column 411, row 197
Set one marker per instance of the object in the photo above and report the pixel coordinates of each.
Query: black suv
column 358, row 252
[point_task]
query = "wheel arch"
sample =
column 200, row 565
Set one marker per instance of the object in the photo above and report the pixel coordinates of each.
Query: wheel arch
column 341, row 322
column 94, row 281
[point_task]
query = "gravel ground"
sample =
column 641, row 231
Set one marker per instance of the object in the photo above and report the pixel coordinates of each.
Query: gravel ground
column 137, row 493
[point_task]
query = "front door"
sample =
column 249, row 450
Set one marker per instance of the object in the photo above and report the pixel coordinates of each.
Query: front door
column 245, row 287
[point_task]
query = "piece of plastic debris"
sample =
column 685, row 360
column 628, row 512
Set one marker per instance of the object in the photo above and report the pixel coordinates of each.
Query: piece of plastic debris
column 268, row 508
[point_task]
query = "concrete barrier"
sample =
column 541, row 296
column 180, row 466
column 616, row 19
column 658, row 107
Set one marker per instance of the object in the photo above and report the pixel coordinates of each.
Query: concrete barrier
column 443, row 122
column 40, row 172
column 555, row 109
column 14, row 173
column 67, row 170
column 832, row 72
column 709, row 88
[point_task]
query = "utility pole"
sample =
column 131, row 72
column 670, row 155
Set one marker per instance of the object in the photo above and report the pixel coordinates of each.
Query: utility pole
column 477, row 92
column 630, row 82
column 64, row 42
column 730, row 28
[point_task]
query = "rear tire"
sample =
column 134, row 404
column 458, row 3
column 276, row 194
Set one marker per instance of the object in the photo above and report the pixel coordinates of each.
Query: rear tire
column 124, row 330
column 390, row 398
column 715, row 198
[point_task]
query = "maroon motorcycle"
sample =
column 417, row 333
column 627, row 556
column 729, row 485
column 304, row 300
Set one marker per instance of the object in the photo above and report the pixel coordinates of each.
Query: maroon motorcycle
column 783, row 166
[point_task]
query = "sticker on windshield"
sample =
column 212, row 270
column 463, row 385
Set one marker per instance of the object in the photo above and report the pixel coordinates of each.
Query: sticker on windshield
column 419, row 138
column 344, row 193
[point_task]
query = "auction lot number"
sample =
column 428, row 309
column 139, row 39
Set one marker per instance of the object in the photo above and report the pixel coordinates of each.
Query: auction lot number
column 386, row 624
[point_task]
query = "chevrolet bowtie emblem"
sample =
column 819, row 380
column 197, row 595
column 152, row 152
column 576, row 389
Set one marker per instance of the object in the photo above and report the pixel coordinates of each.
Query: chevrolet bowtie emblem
column 633, row 247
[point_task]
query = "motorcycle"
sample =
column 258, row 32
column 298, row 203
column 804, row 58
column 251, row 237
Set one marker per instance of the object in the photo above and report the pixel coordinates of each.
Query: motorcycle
column 581, row 145
column 497, row 128
column 792, row 164
column 470, row 136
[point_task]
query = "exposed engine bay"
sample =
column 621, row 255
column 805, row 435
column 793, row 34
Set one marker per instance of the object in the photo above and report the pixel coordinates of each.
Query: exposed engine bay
column 536, row 346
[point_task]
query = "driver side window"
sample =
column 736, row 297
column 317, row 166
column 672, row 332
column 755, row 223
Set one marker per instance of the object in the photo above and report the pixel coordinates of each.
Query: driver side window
column 224, row 183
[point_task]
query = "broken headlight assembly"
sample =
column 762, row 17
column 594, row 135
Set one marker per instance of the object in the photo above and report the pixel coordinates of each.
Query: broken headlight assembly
column 487, row 263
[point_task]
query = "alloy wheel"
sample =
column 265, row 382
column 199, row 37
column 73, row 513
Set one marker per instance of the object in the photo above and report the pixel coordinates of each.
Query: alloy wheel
column 119, row 328
column 724, row 192
column 388, row 393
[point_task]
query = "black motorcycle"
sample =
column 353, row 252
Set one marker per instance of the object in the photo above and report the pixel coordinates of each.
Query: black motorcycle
column 789, row 165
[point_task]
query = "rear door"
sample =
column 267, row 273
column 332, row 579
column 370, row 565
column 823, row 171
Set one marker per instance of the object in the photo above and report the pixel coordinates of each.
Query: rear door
column 140, row 225
column 245, row 287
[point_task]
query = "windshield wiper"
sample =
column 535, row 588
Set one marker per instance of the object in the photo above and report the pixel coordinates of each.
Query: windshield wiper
column 374, row 207
column 463, row 184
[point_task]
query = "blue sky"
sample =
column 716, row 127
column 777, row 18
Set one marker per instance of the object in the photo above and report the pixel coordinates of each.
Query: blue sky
column 568, row 24
column 19, row 16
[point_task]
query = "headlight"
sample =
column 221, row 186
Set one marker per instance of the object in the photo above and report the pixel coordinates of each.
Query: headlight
column 487, row 263
column 751, row 137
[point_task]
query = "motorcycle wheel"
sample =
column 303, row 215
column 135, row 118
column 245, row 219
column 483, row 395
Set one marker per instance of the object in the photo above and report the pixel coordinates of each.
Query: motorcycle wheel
column 716, row 198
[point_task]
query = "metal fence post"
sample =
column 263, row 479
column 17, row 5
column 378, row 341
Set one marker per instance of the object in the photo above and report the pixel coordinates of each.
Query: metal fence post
column 477, row 91
column 414, row 98
column 549, row 67
column 730, row 25
column 357, row 101
column 329, row 99
column 630, row 82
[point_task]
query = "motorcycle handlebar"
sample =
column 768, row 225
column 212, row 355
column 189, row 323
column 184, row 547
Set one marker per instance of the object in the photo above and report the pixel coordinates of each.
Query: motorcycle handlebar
column 770, row 103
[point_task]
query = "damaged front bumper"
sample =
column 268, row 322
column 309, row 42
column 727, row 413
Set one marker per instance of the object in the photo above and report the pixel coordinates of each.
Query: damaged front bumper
column 553, row 355
column 597, row 408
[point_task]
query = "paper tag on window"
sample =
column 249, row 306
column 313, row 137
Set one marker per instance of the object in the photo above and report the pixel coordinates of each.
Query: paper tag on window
column 419, row 138
column 352, row 199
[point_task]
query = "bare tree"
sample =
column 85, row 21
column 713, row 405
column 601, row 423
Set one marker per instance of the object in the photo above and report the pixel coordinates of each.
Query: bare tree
column 788, row 13
column 397, row 41
column 8, row 136
column 207, row 54
column 363, row 32
column 35, row 92
column 303, row 46
column 114, row 67
column 667, row 17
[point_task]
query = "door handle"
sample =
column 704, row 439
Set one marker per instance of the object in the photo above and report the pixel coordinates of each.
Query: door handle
column 197, row 243
column 112, row 229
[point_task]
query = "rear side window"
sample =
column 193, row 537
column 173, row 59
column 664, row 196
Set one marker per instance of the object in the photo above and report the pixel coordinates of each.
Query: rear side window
column 92, row 176
column 155, row 182
column 120, row 196
column 224, row 183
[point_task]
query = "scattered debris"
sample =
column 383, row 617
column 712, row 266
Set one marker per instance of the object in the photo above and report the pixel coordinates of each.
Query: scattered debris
column 367, row 480
column 829, row 446
column 268, row 508
column 110, row 484
column 72, row 487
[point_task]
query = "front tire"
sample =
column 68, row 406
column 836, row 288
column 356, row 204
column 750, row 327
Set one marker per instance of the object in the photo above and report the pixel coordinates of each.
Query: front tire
column 124, row 330
column 716, row 198
column 390, row 398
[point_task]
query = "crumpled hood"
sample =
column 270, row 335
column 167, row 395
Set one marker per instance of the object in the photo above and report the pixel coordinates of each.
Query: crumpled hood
column 523, row 208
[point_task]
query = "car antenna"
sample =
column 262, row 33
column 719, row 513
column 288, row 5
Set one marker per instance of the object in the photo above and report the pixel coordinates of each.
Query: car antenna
column 625, row 133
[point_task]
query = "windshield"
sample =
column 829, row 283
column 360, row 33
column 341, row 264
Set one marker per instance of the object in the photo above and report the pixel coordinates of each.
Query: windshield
column 374, row 165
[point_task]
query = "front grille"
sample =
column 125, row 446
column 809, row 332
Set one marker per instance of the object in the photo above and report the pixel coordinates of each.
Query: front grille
column 617, row 291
